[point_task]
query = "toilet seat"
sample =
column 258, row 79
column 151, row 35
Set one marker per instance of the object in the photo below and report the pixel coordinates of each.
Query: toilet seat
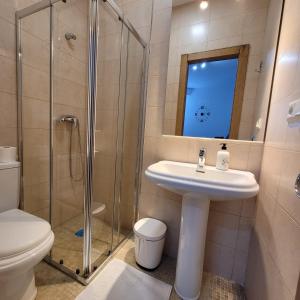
column 26, row 259
column 20, row 256
column 21, row 233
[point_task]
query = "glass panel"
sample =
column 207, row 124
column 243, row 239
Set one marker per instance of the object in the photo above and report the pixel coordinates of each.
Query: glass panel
column 35, row 112
column 118, row 107
column 108, row 85
column 70, row 35
column 209, row 98
column 131, row 127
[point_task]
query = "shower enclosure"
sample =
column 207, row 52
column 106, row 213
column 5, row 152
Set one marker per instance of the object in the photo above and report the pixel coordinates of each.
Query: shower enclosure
column 81, row 71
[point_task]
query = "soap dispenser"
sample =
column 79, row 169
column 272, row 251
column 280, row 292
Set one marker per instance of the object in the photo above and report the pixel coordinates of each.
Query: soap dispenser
column 223, row 158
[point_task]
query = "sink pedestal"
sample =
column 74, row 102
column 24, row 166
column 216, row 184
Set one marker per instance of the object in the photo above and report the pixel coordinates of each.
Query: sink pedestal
column 190, row 259
column 197, row 188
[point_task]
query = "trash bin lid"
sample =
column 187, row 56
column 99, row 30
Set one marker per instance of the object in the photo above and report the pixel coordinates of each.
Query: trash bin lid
column 150, row 229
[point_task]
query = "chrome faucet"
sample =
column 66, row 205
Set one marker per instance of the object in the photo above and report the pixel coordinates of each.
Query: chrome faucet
column 201, row 161
column 69, row 119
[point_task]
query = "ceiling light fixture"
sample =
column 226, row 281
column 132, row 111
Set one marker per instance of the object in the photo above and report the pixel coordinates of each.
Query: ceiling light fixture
column 204, row 4
column 195, row 67
column 203, row 65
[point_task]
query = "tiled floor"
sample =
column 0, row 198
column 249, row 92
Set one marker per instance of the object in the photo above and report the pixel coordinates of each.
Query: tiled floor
column 54, row 285
column 69, row 247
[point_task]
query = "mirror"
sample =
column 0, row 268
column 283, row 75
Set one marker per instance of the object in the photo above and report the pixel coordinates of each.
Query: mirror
column 220, row 68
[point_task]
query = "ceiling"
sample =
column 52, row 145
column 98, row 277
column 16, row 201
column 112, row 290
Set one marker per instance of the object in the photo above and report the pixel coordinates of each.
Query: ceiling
column 180, row 2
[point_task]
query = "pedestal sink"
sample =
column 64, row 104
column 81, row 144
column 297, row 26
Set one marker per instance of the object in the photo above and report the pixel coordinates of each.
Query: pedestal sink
column 197, row 189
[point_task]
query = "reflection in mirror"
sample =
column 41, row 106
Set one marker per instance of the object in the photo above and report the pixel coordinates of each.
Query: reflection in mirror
column 206, row 79
column 220, row 68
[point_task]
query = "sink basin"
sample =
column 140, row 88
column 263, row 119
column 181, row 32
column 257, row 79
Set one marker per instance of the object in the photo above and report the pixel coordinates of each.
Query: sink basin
column 182, row 178
column 197, row 189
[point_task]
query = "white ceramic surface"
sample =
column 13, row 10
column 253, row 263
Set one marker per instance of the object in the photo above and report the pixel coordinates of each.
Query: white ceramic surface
column 197, row 189
column 9, row 185
column 24, row 239
column 182, row 178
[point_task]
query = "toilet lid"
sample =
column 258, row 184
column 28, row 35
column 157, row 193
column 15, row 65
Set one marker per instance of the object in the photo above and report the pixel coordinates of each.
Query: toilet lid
column 20, row 232
column 150, row 229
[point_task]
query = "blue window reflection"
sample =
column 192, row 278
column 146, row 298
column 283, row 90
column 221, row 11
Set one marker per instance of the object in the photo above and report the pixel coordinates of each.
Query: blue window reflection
column 209, row 98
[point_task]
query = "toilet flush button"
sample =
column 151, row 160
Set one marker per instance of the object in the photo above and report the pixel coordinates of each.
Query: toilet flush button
column 297, row 186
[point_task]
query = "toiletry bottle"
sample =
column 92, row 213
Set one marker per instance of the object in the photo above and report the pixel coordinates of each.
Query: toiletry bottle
column 223, row 158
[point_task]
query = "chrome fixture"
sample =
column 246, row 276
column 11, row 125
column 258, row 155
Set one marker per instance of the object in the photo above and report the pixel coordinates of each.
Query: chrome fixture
column 70, row 36
column 201, row 161
column 297, row 186
column 90, row 137
column 69, row 119
column 74, row 121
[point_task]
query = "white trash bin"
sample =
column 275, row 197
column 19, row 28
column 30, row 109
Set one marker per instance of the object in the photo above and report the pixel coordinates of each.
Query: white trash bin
column 149, row 242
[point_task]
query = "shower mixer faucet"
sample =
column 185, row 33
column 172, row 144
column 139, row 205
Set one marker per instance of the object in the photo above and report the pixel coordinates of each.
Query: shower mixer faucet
column 70, row 36
column 69, row 119
column 74, row 121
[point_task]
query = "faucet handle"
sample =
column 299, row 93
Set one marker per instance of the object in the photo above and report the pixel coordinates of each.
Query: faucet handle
column 202, row 151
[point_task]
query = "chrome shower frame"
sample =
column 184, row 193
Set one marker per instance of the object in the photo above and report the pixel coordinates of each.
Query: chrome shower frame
column 91, row 116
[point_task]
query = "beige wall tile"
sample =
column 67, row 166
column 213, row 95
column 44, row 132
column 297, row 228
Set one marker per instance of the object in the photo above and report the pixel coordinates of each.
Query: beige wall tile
column 7, row 38
column 263, row 279
column 286, row 193
column 8, row 107
column 8, row 136
column 286, row 247
column 7, row 75
column 273, row 266
column 7, row 10
column 219, row 260
column 222, row 229
column 240, row 265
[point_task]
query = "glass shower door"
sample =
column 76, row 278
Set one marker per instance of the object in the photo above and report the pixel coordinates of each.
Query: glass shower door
column 106, row 133
column 55, row 141
column 118, row 132
column 131, row 138
column 70, row 59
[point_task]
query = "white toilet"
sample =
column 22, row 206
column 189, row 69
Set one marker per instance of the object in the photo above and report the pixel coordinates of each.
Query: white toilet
column 24, row 239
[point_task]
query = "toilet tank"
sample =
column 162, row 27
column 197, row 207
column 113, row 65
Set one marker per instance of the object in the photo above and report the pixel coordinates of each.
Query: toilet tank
column 9, row 185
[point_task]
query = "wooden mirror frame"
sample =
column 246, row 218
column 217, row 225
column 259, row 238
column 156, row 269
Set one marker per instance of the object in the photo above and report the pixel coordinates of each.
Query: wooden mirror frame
column 239, row 52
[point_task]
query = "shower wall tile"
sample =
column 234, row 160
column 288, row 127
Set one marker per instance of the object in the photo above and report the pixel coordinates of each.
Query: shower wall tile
column 7, row 39
column 8, row 136
column 8, row 107
column 37, row 24
column 138, row 12
column 7, row 75
column 36, row 113
column 7, row 11
column 70, row 95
